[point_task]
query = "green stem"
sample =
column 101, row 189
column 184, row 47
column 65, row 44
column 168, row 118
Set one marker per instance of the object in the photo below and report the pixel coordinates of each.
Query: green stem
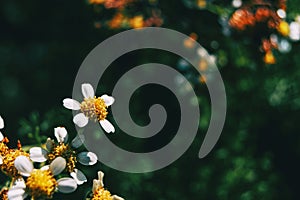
column 37, row 135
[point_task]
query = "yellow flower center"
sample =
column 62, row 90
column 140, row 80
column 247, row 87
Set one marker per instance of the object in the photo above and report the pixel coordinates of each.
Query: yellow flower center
column 101, row 194
column 3, row 148
column 41, row 184
column 8, row 166
column 94, row 108
column 65, row 151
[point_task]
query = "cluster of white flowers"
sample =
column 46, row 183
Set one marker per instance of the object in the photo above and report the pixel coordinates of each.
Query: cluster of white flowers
column 57, row 158
column 40, row 183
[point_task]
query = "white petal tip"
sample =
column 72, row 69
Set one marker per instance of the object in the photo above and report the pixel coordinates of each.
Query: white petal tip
column 1, row 123
column 107, row 126
column 23, row 165
column 116, row 197
column 71, row 104
column 66, row 185
column 61, row 134
column 87, row 90
column 37, row 154
column 1, row 136
column 109, row 100
column 87, row 158
column 58, row 165
column 77, row 141
column 80, row 120
column 78, row 176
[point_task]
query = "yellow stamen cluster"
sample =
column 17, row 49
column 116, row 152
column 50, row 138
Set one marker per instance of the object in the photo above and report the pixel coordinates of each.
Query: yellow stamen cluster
column 94, row 108
column 65, row 151
column 3, row 194
column 41, row 184
column 101, row 194
column 8, row 160
column 3, row 148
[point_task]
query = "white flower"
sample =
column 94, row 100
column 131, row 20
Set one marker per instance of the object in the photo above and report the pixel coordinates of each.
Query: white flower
column 17, row 190
column 38, row 154
column 294, row 31
column 92, row 107
column 40, row 183
column 99, row 191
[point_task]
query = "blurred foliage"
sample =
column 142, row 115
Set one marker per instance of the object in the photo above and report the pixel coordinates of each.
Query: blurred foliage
column 43, row 43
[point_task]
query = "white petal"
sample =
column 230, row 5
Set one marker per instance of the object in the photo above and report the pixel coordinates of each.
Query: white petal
column 96, row 185
column 79, row 177
column 23, row 165
column 1, row 160
column 107, row 126
column 61, row 134
column 1, row 123
column 87, row 158
column 1, row 136
column 44, row 168
column 58, row 165
column 19, row 183
column 87, row 90
column 38, row 154
column 66, row 185
column 116, row 197
column 77, row 141
column 71, row 104
column 80, row 120
column 16, row 194
column 49, row 144
column 100, row 176
column 108, row 99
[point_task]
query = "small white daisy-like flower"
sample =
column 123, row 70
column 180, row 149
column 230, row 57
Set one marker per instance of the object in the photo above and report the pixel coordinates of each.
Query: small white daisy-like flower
column 99, row 193
column 40, row 183
column 92, row 107
column 67, row 151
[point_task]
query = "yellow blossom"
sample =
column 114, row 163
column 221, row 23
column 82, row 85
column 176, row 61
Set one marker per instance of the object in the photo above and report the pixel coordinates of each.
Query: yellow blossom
column 269, row 58
column 283, row 28
column 137, row 22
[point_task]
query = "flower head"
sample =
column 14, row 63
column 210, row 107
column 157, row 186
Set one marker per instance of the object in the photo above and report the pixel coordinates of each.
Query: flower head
column 92, row 107
column 8, row 156
column 67, row 151
column 40, row 183
column 7, row 161
column 99, row 193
